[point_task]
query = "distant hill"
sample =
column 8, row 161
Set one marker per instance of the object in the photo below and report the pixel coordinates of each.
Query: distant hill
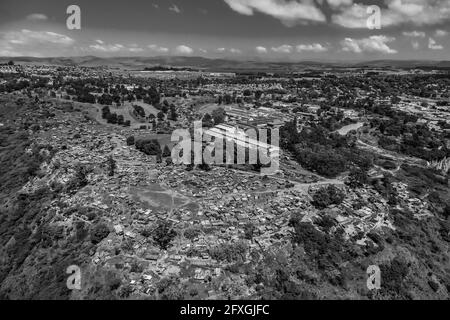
column 407, row 64
column 140, row 63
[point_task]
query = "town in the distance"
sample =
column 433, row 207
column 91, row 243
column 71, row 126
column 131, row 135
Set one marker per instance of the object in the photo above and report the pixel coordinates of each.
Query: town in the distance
column 88, row 180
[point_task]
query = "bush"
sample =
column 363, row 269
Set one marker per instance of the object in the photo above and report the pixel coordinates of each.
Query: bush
column 192, row 233
column 130, row 141
column 166, row 152
column 164, row 234
column 99, row 232
column 229, row 252
column 149, row 147
column 328, row 196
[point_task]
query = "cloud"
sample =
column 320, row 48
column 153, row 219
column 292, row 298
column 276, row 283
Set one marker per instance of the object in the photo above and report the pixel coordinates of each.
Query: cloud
column 203, row 50
column 433, row 45
column 415, row 45
column 174, row 8
column 154, row 47
column 290, row 12
column 347, row 13
column 315, row 47
column 100, row 41
column 282, row 49
column 37, row 17
column 373, row 44
column 135, row 49
column 107, row 47
column 232, row 50
column 396, row 12
column 415, row 34
column 182, row 49
column 441, row 33
column 26, row 42
column 339, row 3
column 261, row 50
column 28, row 37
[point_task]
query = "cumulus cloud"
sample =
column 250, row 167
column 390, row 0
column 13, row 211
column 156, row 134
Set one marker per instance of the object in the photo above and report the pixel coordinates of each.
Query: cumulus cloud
column 373, row 44
column 339, row 3
column 315, row 47
column 433, row 45
column 283, row 49
column 396, row 12
column 347, row 13
column 135, row 49
column 155, row 48
column 415, row 45
column 290, row 12
column 174, row 8
column 261, row 50
column 28, row 37
column 27, row 42
column 441, row 33
column 182, row 49
column 102, row 47
column 414, row 34
column 37, row 17
column 231, row 50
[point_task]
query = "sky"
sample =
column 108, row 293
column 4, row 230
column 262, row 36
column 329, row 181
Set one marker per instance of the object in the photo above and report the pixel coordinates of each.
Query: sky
column 266, row 30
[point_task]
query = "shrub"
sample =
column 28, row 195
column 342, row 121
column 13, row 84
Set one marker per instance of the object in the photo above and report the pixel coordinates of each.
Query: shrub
column 164, row 234
column 327, row 196
column 149, row 147
column 130, row 141
column 99, row 232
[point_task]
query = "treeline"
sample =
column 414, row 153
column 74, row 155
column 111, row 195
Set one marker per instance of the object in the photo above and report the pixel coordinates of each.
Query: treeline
column 113, row 118
column 328, row 154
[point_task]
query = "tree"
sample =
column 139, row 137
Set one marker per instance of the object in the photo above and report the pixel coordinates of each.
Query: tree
column 10, row 63
column 112, row 118
column 218, row 115
column 207, row 121
column 130, row 141
column 357, row 178
column 166, row 152
column 173, row 114
column 120, row 119
column 327, row 196
column 249, row 230
column 149, row 147
column 153, row 96
column 111, row 166
column 161, row 116
column 99, row 232
column 164, row 234
column 139, row 111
